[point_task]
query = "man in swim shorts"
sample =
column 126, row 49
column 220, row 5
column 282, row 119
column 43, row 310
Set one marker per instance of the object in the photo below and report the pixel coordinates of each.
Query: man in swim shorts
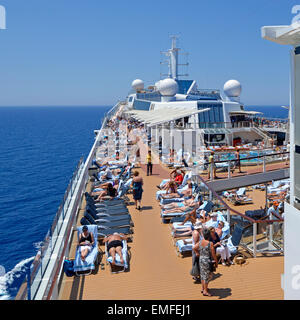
column 115, row 245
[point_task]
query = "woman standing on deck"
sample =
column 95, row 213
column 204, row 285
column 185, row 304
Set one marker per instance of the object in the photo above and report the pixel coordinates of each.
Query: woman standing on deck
column 137, row 186
column 204, row 249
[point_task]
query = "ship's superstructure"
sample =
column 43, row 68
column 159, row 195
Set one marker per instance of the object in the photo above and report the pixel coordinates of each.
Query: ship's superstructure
column 290, row 35
column 209, row 117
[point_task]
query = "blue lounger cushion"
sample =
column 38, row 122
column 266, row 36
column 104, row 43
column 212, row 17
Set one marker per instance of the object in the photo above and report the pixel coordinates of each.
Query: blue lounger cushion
column 89, row 263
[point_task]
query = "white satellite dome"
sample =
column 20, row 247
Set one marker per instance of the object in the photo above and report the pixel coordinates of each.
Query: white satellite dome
column 137, row 84
column 167, row 87
column 232, row 88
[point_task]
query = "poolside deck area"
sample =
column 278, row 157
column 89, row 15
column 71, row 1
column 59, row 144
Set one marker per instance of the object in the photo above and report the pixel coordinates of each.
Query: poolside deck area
column 156, row 272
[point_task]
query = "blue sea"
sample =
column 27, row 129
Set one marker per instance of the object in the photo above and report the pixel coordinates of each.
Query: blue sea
column 39, row 150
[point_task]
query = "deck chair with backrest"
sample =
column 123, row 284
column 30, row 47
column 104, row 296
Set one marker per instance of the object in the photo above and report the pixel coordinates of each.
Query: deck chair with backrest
column 240, row 197
column 233, row 241
column 104, row 232
column 113, row 209
column 108, row 217
column 86, row 267
column 109, row 224
column 112, row 217
column 105, row 208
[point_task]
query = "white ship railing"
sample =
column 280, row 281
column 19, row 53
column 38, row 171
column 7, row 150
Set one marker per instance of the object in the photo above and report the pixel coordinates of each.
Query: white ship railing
column 45, row 273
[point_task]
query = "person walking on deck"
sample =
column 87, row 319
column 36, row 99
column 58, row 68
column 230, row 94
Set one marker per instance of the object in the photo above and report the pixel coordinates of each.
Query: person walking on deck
column 149, row 163
column 137, row 187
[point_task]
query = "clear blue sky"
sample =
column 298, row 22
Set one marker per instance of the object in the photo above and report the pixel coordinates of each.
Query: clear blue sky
column 71, row 52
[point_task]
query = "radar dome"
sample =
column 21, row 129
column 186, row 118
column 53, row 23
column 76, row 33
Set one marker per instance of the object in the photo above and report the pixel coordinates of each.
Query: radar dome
column 137, row 84
column 167, row 87
column 232, row 88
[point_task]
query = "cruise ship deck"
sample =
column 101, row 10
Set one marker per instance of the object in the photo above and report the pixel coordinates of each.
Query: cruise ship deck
column 156, row 272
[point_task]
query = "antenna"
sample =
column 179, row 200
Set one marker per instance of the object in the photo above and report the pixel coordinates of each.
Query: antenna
column 172, row 62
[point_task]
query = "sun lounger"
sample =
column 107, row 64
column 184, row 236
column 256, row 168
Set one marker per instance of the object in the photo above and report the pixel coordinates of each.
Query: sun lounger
column 89, row 263
column 233, row 242
column 106, row 225
column 167, row 216
column 184, row 246
column 124, row 266
column 106, row 218
column 241, row 201
column 110, row 210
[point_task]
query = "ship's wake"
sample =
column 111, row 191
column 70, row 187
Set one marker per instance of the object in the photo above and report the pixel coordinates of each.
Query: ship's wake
column 12, row 280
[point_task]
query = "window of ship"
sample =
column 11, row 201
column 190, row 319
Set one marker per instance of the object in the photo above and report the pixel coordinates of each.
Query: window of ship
column 213, row 118
column 215, row 138
column 130, row 99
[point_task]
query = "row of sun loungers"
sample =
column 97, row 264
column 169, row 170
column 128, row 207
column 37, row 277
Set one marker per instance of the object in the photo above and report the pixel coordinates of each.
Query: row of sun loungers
column 106, row 217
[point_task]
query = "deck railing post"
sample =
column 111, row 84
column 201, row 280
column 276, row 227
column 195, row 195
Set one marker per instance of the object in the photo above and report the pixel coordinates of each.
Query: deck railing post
column 229, row 169
column 28, row 283
column 211, row 171
column 254, row 239
column 228, row 216
column 264, row 164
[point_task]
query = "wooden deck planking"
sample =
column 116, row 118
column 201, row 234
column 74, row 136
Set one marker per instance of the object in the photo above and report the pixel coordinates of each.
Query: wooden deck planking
column 157, row 273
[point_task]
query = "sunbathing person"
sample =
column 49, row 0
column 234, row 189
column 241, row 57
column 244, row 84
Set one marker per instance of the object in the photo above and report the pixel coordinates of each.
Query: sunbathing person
column 86, row 241
column 105, row 173
column 175, row 176
column 186, row 232
column 184, row 193
column 175, row 204
column 178, row 207
column 110, row 191
column 171, row 189
column 104, row 185
column 195, row 218
column 115, row 245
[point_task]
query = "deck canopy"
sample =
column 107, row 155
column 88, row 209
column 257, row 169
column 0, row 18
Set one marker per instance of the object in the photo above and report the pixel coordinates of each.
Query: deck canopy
column 161, row 116
column 216, row 131
column 243, row 112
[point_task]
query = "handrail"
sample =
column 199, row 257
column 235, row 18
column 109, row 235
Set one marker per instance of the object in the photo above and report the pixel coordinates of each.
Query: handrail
column 39, row 265
column 249, row 158
column 231, row 209
column 42, row 259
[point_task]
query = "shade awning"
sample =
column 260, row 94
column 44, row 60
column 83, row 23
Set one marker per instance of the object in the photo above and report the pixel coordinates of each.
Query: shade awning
column 243, row 112
column 160, row 116
column 216, row 131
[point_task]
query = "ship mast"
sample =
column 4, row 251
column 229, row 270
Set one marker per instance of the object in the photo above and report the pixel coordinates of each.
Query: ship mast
column 172, row 62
